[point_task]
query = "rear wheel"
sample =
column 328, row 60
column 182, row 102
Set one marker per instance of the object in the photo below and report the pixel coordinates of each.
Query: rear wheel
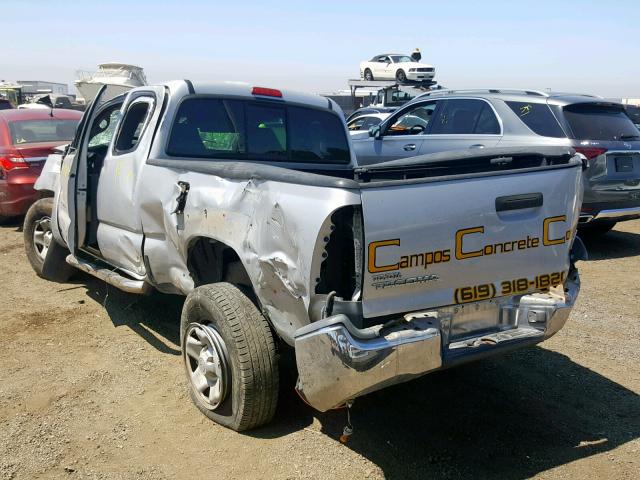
column 46, row 256
column 368, row 76
column 401, row 76
column 229, row 356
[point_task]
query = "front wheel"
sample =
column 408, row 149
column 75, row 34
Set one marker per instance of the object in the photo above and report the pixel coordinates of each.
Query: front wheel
column 368, row 76
column 46, row 256
column 401, row 76
column 229, row 356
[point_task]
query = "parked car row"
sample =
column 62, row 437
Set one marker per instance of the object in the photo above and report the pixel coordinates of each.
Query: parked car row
column 447, row 120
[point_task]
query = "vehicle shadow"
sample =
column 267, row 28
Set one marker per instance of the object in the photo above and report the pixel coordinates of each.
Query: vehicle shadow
column 614, row 244
column 155, row 317
column 12, row 222
column 509, row 417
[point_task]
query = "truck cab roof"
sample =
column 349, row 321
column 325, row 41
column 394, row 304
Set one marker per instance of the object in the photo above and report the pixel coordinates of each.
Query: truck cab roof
column 243, row 89
column 307, row 137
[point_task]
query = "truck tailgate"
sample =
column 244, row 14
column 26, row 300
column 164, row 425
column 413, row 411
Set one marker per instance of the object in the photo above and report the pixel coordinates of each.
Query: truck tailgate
column 457, row 239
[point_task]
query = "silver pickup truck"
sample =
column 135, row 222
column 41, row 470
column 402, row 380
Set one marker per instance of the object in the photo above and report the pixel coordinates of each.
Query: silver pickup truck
column 250, row 203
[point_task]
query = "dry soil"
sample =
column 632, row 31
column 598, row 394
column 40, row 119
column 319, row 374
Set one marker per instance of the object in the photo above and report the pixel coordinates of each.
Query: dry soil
column 92, row 386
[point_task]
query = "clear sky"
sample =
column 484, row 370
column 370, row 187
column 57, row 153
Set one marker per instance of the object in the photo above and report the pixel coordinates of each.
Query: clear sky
column 584, row 46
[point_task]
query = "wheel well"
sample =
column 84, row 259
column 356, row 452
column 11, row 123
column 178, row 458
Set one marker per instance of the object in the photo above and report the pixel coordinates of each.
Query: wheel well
column 211, row 261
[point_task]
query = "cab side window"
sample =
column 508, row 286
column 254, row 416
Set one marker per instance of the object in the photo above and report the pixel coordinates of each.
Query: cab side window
column 465, row 116
column 104, row 126
column 415, row 121
column 133, row 123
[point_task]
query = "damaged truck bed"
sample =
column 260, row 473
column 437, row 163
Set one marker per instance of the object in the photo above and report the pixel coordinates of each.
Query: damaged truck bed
column 249, row 202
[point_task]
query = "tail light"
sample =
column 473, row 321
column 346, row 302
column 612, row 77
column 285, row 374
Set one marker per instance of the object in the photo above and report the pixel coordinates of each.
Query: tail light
column 11, row 159
column 590, row 152
column 266, row 92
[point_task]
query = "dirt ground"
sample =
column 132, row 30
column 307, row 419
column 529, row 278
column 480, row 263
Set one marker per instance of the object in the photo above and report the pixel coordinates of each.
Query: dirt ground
column 92, row 386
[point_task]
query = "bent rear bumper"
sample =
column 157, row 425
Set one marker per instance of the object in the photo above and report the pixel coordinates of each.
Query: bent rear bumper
column 338, row 362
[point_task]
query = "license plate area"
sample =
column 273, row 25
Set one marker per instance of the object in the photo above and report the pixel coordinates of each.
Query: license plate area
column 479, row 318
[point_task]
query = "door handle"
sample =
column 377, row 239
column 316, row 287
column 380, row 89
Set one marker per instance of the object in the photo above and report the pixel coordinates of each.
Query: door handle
column 409, row 147
column 518, row 202
column 477, row 145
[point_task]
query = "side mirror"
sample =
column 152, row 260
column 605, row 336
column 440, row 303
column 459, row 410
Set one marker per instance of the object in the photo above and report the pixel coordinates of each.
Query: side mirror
column 375, row 132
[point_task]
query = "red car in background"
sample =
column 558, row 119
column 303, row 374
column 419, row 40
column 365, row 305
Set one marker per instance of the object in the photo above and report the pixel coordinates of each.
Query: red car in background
column 27, row 137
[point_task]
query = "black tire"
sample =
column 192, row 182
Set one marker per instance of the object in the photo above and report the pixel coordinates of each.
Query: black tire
column 368, row 75
column 53, row 265
column 401, row 77
column 596, row 229
column 250, row 370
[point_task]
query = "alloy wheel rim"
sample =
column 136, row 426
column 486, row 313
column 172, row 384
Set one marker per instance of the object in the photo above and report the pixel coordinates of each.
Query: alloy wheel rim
column 42, row 237
column 205, row 357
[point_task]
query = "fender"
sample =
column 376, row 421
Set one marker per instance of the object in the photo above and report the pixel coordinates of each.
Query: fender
column 49, row 181
column 49, row 178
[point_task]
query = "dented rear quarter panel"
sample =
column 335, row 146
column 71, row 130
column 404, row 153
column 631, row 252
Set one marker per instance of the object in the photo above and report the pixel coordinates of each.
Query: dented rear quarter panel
column 276, row 229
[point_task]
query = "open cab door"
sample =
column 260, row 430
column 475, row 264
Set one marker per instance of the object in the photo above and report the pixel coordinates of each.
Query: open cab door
column 70, row 210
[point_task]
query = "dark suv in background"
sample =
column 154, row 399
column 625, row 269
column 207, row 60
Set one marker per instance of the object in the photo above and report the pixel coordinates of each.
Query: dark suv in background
column 459, row 119
column 606, row 136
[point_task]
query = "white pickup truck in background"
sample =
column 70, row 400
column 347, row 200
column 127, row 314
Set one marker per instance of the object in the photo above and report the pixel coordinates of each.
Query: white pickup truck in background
column 249, row 202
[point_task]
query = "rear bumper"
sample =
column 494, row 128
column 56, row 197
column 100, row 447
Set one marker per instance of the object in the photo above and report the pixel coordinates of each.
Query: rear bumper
column 420, row 75
column 338, row 362
column 613, row 214
column 16, row 198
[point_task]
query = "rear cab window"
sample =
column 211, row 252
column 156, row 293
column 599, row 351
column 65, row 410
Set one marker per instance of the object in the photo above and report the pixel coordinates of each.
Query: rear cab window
column 538, row 117
column 600, row 121
column 210, row 127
